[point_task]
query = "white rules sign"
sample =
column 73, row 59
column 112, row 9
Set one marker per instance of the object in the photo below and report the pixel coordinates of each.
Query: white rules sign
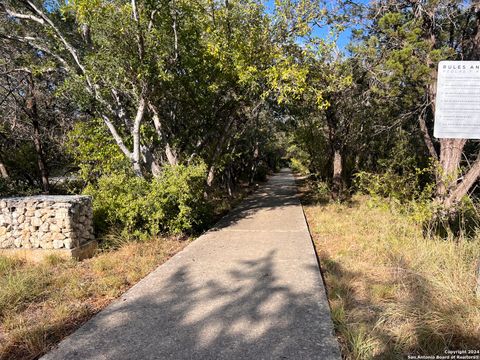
column 457, row 110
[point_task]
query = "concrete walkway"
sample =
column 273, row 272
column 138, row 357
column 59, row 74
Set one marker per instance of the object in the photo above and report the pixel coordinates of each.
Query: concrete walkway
column 248, row 289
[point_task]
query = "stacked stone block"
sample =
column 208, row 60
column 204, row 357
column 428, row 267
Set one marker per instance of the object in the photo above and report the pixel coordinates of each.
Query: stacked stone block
column 45, row 222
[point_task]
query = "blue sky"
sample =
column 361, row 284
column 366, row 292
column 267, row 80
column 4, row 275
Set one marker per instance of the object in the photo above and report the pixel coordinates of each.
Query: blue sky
column 323, row 32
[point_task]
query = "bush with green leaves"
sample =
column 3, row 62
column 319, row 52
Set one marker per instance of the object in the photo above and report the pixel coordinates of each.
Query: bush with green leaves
column 403, row 192
column 94, row 151
column 402, row 181
column 299, row 159
column 172, row 203
column 298, row 167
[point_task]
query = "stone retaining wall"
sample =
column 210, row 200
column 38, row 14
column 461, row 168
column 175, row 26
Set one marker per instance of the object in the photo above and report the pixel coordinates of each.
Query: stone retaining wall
column 45, row 222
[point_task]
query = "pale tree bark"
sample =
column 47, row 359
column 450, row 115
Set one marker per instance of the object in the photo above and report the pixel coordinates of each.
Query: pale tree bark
column 3, row 169
column 136, row 138
column 41, row 18
column 451, row 151
column 229, row 182
column 337, row 182
column 150, row 161
column 461, row 189
column 211, row 175
column 133, row 156
column 336, row 146
column 172, row 156
column 170, row 153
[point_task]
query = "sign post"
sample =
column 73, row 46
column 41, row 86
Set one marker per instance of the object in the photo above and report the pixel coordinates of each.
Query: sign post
column 457, row 110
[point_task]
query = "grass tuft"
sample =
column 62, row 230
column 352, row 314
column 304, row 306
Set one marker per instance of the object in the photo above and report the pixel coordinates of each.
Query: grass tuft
column 42, row 303
column 392, row 291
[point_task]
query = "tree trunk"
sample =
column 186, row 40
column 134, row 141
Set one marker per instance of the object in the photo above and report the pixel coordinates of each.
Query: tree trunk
column 452, row 188
column 461, row 188
column 450, row 149
column 218, row 151
column 137, row 168
column 229, row 182
column 253, row 169
column 150, row 161
column 3, row 169
column 450, row 156
column 426, row 136
column 32, row 111
column 337, row 183
column 171, row 155
column 336, row 145
column 211, row 175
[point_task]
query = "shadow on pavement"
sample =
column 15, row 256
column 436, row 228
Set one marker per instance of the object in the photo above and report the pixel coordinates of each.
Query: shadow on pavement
column 241, row 323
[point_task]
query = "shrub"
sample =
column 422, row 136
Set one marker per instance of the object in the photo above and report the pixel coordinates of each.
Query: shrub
column 94, row 151
column 17, row 187
column 406, row 193
column 299, row 159
column 322, row 191
column 411, row 195
column 298, row 167
column 172, row 203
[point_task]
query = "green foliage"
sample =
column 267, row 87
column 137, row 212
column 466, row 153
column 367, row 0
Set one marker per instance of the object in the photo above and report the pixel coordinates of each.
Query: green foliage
column 24, row 178
column 322, row 191
column 17, row 288
column 172, row 203
column 400, row 181
column 298, row 166
column 94, row 151
column 299, row 159
column 463, row 222
column 8, row 187
column 404, row 193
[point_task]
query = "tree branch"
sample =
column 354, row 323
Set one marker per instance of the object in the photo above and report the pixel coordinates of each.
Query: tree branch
column 117, row 137
column 426, row 136
column 136, row 130
column 28, row 40
column 68, row 46
column 17, row 15
column 464, row 186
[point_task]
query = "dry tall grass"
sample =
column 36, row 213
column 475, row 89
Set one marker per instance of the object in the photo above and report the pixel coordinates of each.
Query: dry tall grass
column 42, row 303
column 392, row 291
